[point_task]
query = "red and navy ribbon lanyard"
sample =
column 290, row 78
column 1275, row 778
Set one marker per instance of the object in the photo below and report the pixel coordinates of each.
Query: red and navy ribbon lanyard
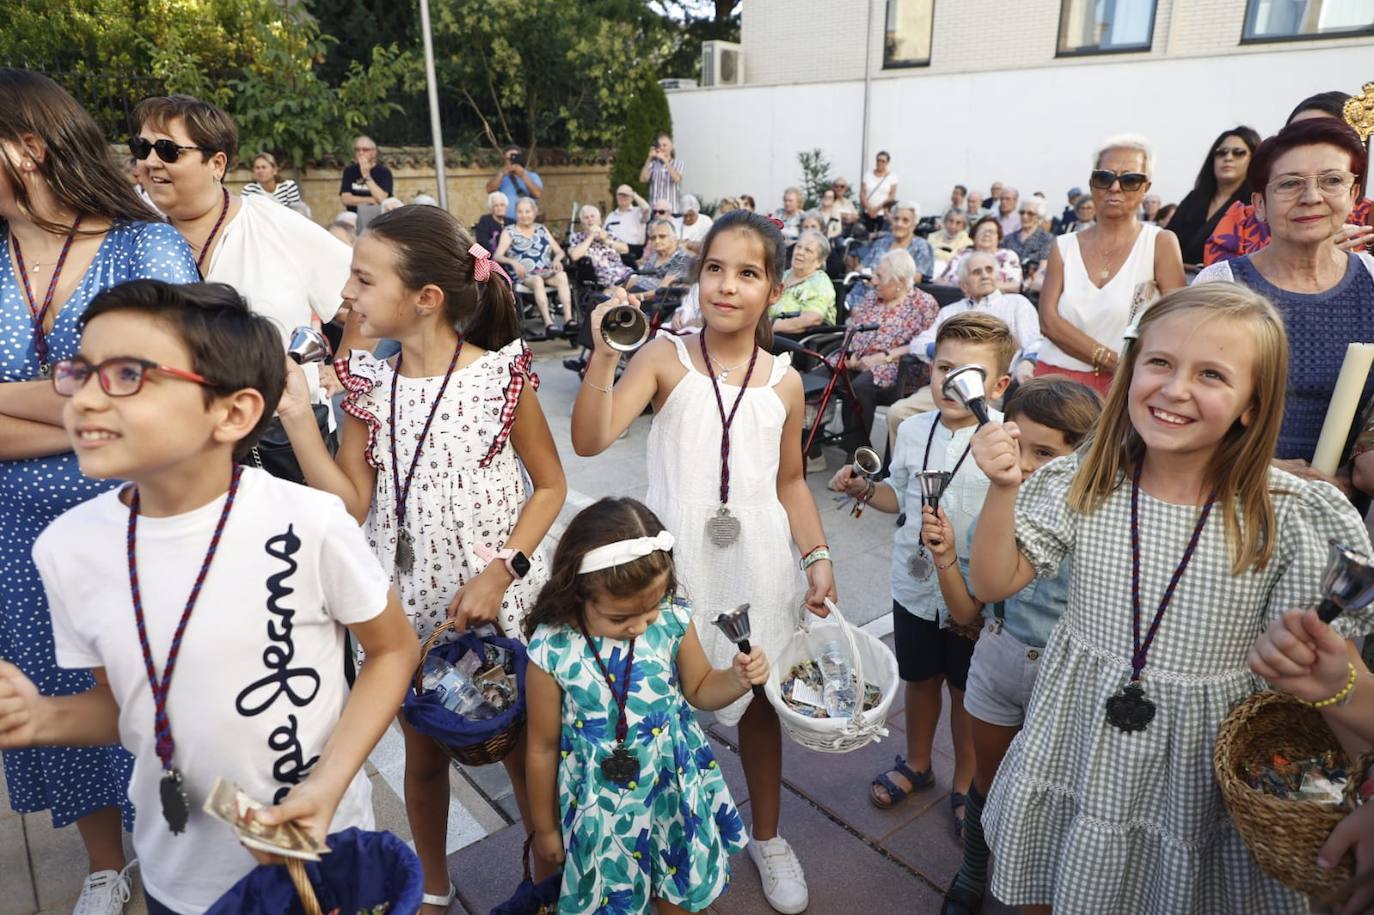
column 165, row 745
column 210, row 239
column 622, row 726
column 40, row 315
column 1142, row 648
column 401, row 489
column 930, row 440
column 726, row 420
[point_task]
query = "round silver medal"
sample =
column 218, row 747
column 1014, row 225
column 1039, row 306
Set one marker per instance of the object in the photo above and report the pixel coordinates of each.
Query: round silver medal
column 722, row 528
column 920, row 565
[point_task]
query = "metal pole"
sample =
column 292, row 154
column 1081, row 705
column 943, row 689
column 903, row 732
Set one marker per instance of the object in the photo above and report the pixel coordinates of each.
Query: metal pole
column 868, row 81
column 432, row 84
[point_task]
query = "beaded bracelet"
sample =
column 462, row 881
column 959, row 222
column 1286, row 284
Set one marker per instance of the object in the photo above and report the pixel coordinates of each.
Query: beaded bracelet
column 815, row 556
column 1340, row 698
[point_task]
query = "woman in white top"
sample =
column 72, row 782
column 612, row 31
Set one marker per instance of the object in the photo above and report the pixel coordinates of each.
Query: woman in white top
column 287, row 268
column 1099, row 278
column 283, row 190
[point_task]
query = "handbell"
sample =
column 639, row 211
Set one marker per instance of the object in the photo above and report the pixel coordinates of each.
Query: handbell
column 967, row 385
column 308, row 345
column 867, row 462
column 1348, row 583
column 734, row 625
column 933, row 483
column 625, row 328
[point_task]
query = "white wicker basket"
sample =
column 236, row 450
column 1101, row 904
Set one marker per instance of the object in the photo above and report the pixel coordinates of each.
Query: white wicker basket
column 874, row 663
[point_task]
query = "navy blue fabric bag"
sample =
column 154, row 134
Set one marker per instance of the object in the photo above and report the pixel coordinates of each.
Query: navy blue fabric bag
column 471, row 742
column 532, row 898
column 363, row 871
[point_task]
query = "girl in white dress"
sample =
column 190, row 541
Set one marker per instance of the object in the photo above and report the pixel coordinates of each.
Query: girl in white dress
column 725, row 476
column 1185, row 543
column 436, row 442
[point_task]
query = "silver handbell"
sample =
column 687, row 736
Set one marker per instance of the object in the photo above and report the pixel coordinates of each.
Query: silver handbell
column 867, row 462
column 933, row 483
column 625, row 328
column 967, row 384
column 1348, row 583
column 308, row 345
column 734, row 625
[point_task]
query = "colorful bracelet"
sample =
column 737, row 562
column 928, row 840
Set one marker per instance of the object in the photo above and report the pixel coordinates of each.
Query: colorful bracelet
column 1340, row 698
column 815, row 556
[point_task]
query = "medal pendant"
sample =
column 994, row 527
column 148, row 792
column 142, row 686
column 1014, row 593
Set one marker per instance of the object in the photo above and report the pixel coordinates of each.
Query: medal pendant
column 176, row 809
column 621, row 767
column 722, row 528
column 995, row 626
column 920, row 565
column 1130, row 710
column 405, row 553
column 44, row 370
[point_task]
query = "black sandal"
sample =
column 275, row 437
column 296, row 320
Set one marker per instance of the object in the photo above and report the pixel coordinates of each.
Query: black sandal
column 957, row 803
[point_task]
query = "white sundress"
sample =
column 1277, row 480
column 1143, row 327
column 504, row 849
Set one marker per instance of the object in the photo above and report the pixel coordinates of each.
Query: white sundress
column 469, row 486
column 1090, row 819
column 684, row 491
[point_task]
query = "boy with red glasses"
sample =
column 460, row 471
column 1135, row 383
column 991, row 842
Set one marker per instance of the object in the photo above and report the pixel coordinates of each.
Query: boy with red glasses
column 210, row 599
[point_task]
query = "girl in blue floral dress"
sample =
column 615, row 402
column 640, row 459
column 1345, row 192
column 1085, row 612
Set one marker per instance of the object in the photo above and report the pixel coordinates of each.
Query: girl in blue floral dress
column 624, row 789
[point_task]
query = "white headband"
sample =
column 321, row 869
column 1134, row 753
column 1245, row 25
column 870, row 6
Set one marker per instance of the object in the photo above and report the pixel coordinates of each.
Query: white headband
column 623, row 551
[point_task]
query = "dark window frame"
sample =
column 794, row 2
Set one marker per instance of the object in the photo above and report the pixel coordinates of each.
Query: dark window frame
column 1098, row 50
column 904, row 64
column 1250, row 14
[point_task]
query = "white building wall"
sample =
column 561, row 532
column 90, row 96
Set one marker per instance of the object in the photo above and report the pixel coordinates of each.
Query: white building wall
column 975, row 127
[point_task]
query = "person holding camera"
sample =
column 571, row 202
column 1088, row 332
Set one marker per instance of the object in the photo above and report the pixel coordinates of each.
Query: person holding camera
column 664, row 173
column 514, row 179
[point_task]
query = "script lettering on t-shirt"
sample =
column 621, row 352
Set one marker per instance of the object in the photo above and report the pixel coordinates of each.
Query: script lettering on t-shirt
column 299, row 685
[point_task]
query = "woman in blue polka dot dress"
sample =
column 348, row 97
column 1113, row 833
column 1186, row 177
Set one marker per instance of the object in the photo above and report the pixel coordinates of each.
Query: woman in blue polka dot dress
column 71, row 226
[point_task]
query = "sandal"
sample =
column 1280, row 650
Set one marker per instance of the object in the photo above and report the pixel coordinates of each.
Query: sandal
column 442, row 901
column 957, row 803
column 895, row 795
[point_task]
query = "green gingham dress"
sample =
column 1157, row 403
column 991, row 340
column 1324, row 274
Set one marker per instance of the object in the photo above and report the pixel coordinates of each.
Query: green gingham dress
column 669, row 835
column 1093, row 820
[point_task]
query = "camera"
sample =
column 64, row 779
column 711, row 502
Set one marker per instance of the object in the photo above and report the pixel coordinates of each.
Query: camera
column 517, row 158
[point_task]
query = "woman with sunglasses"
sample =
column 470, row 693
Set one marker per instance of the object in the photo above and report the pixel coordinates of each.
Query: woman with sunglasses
column 1222, row 181
column 1306, row 181
column 1098, row 279
column 71, row 226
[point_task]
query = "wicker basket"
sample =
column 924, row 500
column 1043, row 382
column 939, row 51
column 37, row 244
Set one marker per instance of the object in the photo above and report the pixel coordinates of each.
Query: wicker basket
column 873, row 663
column 492, row 750
column 1283, row 835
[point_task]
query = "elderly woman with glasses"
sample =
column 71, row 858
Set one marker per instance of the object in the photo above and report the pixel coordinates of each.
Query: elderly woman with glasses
column 807, row 291
column 493, row 221
column 1098, row 279
column 901, row 236
column 950, row 239
column 987, row 239
column 1031, row 243
column 1306, row 180
column 597, row 245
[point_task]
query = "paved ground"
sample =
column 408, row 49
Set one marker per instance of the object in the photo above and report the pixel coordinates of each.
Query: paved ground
column 856, row 857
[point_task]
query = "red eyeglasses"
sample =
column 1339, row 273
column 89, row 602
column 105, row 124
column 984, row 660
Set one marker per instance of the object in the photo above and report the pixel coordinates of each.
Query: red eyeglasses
column 121, row 376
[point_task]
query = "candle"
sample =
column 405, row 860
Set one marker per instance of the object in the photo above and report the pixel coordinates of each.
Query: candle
column 1344, row 401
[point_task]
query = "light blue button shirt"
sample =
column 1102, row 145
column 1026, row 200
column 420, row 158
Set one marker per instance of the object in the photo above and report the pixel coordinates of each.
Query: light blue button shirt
column 962, row 502
column 1030, row 614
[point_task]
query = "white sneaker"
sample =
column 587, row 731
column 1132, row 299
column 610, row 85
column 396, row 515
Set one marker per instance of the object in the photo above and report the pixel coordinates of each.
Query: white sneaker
column 104, row 893
column 816, row 464
column 784, row 885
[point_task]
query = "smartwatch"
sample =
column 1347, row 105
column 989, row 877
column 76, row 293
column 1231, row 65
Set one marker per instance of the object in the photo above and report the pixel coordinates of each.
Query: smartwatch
column 516, row 562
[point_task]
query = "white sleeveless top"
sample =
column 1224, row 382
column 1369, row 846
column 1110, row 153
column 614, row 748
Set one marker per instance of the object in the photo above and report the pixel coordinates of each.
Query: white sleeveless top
column 1102, row 313
column 684, row 491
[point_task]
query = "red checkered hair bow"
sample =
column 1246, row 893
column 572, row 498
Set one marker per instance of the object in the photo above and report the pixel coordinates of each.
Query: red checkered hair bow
column 776, row 222
column 483, row 265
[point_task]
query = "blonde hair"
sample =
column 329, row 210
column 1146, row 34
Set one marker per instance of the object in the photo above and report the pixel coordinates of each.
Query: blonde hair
column 1131, row 142
column 1239, row 469
column 982, row 329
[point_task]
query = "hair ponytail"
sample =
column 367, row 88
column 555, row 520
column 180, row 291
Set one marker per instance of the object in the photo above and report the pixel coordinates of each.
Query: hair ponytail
column 496, row 320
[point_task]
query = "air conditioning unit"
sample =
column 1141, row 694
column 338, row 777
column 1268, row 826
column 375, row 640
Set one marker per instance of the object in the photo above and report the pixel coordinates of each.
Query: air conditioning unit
column 677, row 82
column 722, row 63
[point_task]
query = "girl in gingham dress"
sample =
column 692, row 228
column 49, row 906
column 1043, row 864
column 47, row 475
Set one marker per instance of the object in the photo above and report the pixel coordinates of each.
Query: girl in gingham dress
column 1100, row 807
column 435, row 449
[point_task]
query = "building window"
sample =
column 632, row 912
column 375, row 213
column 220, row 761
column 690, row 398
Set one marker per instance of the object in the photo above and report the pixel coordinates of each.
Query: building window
column 1277, row 20
column 906, row 42
column 1105, row 26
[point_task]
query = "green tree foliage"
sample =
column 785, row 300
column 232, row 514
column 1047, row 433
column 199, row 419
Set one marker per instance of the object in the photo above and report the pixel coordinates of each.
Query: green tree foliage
column 648, row 114
column 259, row 59
column 815, row 176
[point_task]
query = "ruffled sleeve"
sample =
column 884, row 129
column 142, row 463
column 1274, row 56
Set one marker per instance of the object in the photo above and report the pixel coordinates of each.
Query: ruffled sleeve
column 1045, row 525
column 1311, row 515
column 543, row 647
column 361, row 373
column 517, row 364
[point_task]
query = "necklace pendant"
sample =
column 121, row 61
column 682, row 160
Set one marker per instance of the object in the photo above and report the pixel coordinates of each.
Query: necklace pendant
column 1103, row 273
column 621, row 767
column 176, row 808
column 1130, row 710
column 44, row 370
column 37, row 268
column 920, row 566
column 405, row 552
column 723, row 528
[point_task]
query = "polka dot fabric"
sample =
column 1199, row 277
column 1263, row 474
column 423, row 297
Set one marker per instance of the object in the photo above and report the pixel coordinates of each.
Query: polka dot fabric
column 68, row 782
column 469, row 486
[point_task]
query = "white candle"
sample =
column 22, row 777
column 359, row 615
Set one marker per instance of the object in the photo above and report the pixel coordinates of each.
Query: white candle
column 1344, row 401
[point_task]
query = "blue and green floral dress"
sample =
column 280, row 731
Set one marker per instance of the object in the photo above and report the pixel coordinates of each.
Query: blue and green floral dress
column 669, row 836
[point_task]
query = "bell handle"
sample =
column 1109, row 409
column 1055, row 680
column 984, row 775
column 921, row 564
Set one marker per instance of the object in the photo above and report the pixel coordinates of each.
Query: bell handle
column 758, row 687
column 1328, row 610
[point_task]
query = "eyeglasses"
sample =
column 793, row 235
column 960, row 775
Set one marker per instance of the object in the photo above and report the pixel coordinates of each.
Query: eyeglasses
column 1229, row 152
column 166, row 150
column 1029, row 213
column 372, row 149
column 660, row 212
column 1328, row 184
column 121, row 376
column 1103, row 179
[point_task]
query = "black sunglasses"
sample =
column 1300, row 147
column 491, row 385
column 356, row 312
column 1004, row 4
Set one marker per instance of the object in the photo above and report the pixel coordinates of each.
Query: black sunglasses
column 166, row 150
column 1103, row 179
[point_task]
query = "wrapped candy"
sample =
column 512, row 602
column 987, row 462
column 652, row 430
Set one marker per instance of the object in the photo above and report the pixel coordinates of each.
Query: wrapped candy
column 1319, row 778
column 803, row 691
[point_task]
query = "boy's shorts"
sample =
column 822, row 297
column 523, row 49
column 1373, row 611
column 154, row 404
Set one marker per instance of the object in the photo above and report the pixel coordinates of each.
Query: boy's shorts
column 1001, row 678
column 924, row 650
